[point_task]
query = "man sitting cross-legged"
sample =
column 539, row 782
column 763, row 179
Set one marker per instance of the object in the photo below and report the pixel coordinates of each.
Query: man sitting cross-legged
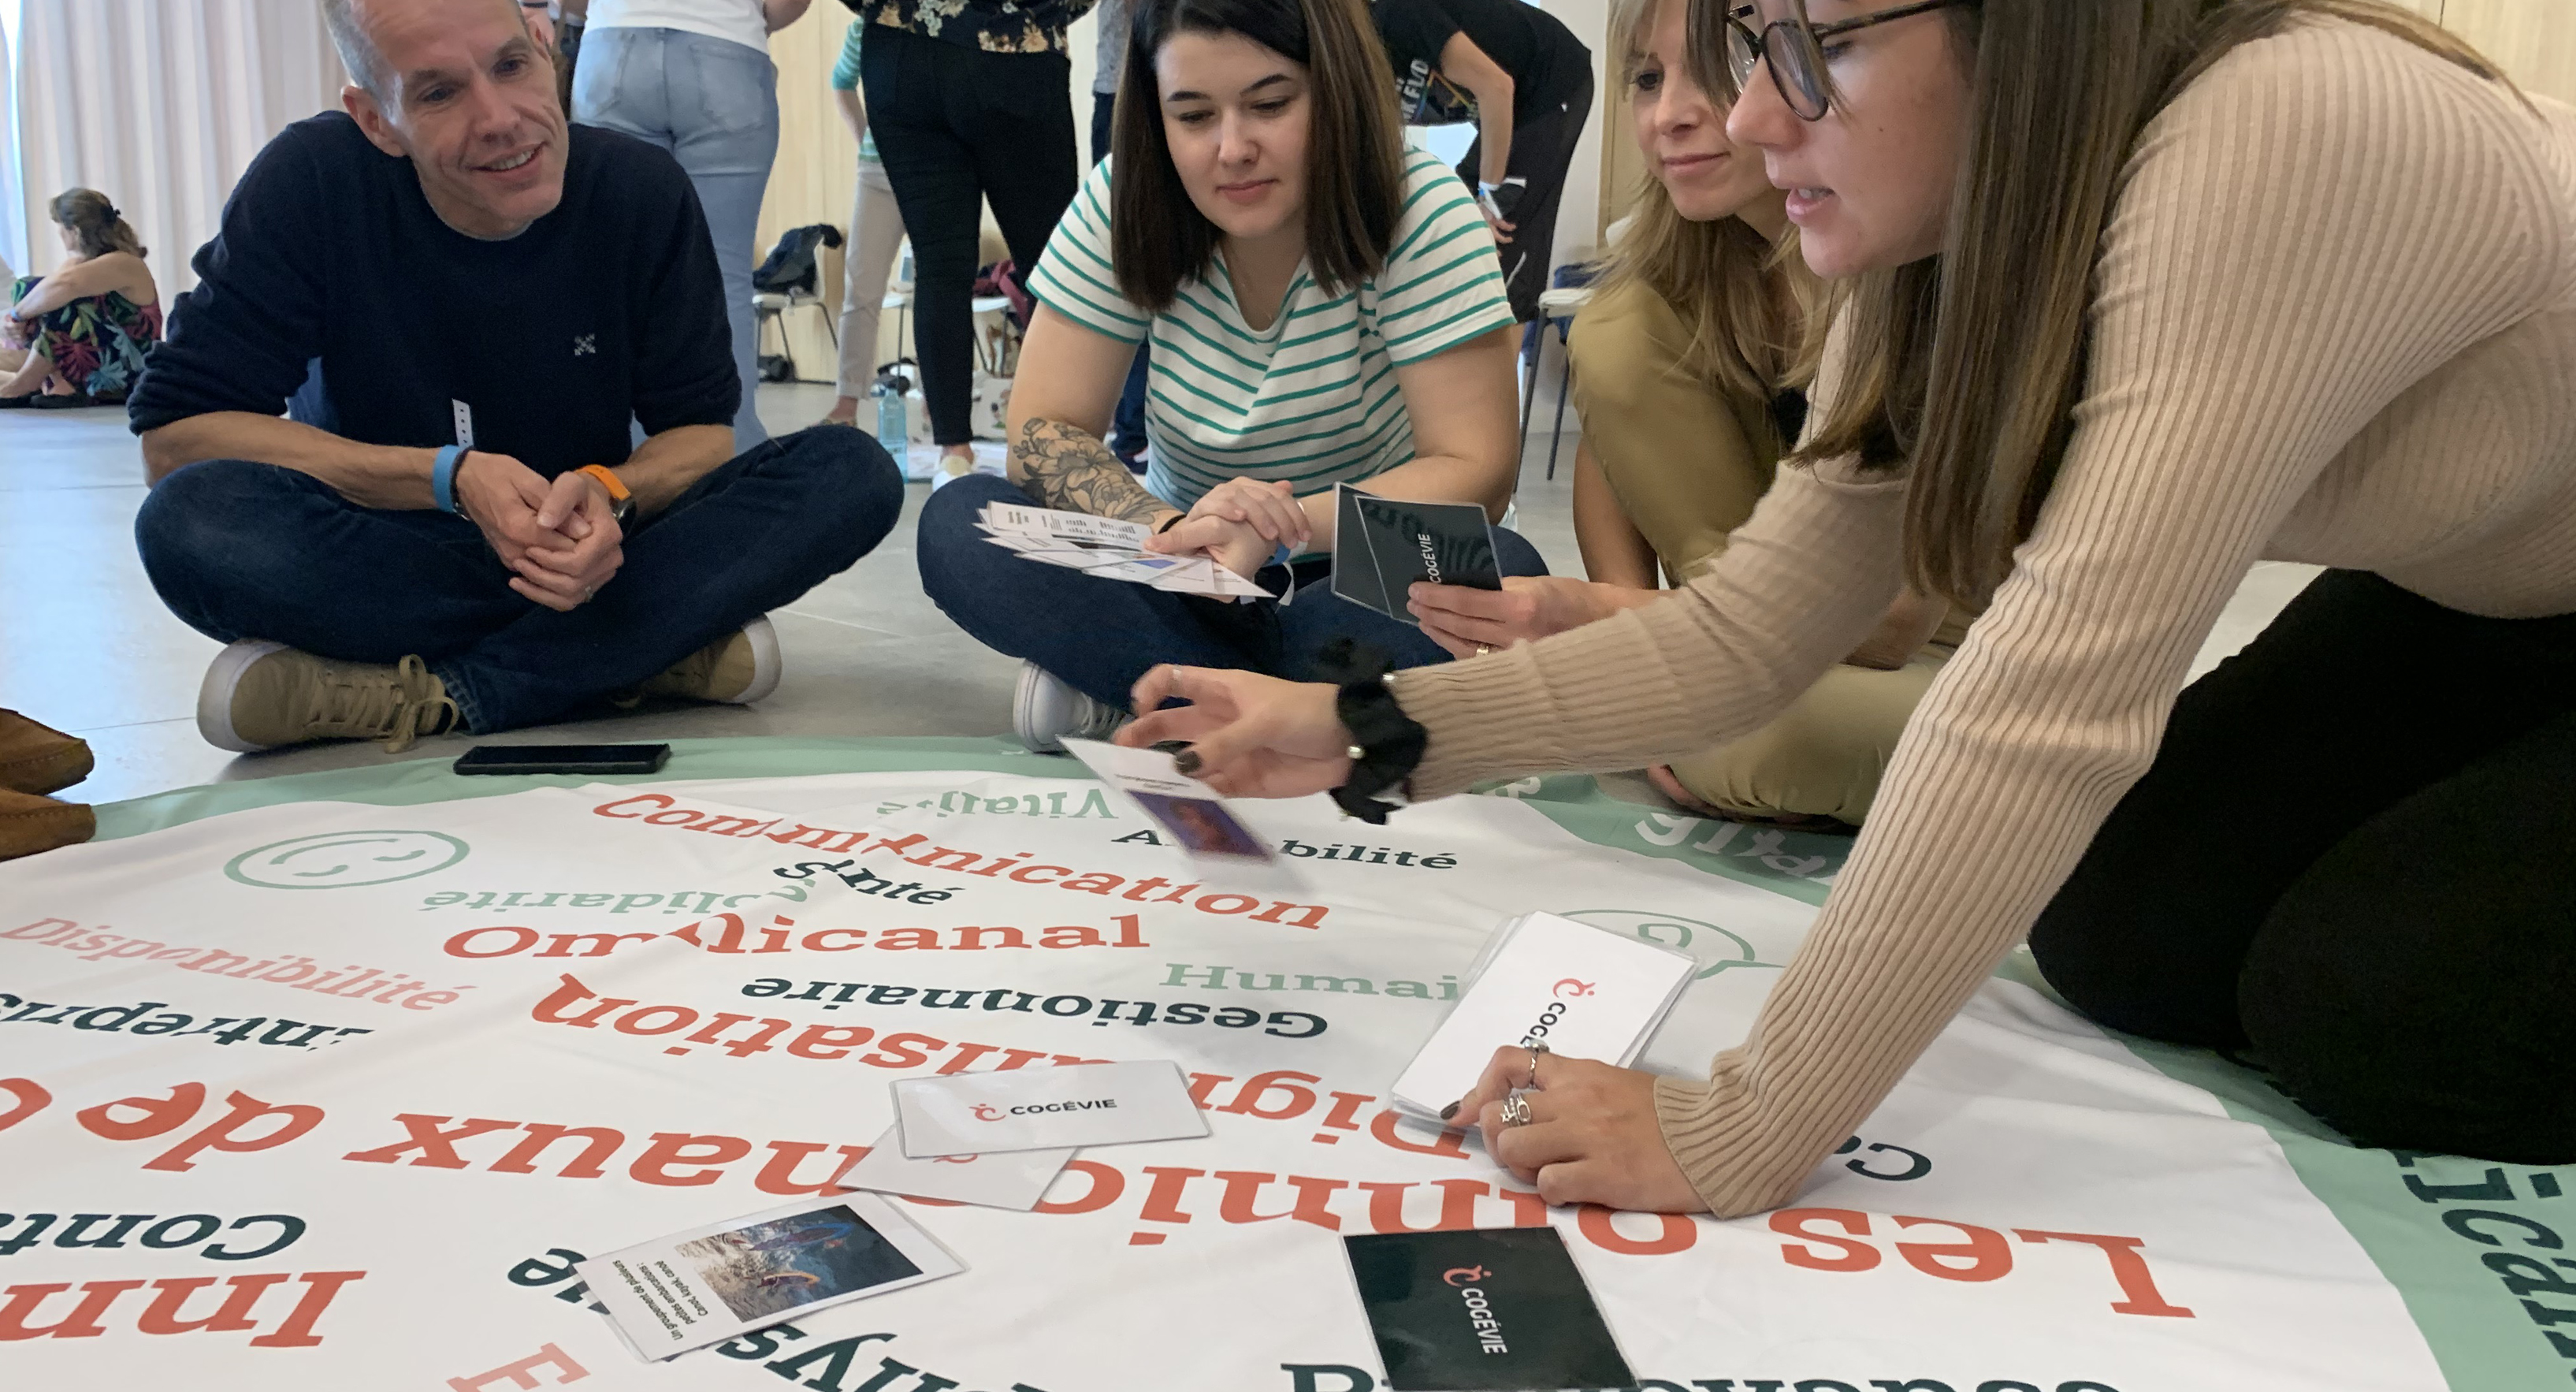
column 469, row 300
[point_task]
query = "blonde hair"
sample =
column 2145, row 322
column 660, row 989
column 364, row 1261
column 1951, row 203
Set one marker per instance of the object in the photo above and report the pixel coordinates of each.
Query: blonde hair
column 1721, row 278
column 94, row 223
column 1968, row 366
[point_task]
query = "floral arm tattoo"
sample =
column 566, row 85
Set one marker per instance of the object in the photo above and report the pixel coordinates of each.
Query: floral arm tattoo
column 1069, row 468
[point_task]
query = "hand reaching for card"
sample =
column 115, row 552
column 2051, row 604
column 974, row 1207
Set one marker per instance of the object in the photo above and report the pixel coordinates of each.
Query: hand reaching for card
column 1591, row 1137
column 1249, row 735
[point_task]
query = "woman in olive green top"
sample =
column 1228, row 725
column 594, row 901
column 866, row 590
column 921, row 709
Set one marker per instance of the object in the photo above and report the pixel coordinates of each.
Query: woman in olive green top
column 1689, row 368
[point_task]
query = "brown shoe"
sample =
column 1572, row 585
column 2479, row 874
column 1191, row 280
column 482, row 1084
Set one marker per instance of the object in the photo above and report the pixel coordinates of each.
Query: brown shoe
column 267, row 695
column 29, row 824
column 740, row 668
column 36, row 759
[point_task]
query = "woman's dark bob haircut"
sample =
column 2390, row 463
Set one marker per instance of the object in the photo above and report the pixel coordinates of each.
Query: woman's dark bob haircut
column 1354, row 149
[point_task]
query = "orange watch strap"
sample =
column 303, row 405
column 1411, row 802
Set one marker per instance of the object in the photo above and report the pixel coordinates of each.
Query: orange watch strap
column 608, row 479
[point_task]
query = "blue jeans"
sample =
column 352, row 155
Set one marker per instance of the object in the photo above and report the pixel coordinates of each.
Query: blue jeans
column 714, row 105
column 242, row 550
column 1102, row 636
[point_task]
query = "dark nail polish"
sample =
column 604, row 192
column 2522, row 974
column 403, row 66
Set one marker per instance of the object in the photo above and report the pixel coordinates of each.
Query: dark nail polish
column 1449, row 1111
column 1187, row 761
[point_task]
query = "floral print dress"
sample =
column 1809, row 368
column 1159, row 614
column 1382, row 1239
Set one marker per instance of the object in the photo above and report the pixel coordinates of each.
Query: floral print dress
column 97, row 344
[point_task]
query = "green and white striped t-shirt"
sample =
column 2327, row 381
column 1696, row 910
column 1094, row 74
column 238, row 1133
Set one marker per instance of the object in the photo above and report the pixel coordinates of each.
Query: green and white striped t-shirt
column 1313, row 399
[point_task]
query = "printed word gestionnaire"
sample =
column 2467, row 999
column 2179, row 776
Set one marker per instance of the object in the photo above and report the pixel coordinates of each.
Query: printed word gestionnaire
column 663, row 810
column 224, row 1029
column 166, row 1233
column 1063, row 1007
column 293, row 969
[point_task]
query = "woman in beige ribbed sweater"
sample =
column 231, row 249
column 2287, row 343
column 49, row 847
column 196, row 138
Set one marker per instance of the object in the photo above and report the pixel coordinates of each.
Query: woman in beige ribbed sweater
column 2146, row 290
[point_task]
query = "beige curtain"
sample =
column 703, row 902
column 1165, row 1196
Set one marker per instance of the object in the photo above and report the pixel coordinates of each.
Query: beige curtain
column 160, row 104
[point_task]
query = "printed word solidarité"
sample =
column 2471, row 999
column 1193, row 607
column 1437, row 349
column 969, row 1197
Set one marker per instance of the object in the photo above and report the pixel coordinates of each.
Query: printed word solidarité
column 1066, row 1007
column 292, row 969
column 128, row 1019
column 685, row 901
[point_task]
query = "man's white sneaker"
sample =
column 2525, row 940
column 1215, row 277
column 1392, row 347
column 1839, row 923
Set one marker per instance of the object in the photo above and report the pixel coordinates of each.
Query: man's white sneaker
column 1044, row 709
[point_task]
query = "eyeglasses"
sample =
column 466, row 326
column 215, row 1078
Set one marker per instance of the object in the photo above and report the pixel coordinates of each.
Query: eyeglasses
column 1795, row 50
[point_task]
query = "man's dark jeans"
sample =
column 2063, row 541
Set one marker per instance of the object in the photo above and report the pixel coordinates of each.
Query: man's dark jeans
column 242, row 550
column 1102, row 636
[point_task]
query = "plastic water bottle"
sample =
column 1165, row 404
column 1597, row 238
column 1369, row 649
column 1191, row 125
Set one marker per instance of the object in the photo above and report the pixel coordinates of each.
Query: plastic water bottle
column 889, row 392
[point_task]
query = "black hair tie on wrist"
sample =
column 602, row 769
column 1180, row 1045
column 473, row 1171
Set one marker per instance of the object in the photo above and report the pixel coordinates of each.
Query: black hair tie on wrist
column 1388, row 744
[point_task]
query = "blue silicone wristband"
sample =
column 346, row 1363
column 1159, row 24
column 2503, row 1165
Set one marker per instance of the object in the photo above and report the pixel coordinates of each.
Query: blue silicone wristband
column 442, row 477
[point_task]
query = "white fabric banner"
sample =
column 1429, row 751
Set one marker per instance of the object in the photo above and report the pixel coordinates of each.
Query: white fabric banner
column 331, row 1095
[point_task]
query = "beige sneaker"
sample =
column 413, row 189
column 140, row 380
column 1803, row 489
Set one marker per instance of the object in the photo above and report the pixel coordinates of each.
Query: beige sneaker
column 265, row 695
column 738, row 669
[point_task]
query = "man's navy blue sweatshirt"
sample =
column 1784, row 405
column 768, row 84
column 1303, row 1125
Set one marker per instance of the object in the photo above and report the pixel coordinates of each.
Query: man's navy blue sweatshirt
column 609, row 307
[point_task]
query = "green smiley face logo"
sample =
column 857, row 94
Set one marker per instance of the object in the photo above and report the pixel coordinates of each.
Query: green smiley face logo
column 341, row 859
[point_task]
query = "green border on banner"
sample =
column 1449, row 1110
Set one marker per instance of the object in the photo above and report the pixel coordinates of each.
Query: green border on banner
column 2467, row 1244
column 1797, row 864
column 2401, row 1207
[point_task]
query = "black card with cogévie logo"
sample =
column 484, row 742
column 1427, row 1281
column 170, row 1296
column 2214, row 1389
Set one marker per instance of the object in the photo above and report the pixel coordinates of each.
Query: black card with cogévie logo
column 1483, row 1310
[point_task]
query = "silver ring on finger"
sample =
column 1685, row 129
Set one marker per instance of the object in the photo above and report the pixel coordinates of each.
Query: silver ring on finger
column 1516, row 1109
column 1484, row 649
column 1534, row 1051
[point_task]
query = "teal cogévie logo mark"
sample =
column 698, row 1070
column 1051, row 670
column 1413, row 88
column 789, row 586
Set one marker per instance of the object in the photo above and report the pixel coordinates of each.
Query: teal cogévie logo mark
column 342, row 859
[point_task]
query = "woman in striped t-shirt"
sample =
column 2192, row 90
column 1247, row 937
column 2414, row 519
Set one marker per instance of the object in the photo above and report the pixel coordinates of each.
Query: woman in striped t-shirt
column 1322, row 308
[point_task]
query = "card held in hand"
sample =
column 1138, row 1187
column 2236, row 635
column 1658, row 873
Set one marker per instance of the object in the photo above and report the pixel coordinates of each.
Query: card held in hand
column 1483, row 1310
column 1400, row 543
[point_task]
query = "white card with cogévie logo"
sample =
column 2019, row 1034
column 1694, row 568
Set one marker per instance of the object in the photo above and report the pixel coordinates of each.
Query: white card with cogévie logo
column 1586, row 992
column 1071, row 1105
column 1013, row 1179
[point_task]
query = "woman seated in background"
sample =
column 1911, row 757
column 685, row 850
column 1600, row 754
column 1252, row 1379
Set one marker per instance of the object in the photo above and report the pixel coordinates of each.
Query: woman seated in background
column 1323, row 309
column 78, row 337
column 1690, row 365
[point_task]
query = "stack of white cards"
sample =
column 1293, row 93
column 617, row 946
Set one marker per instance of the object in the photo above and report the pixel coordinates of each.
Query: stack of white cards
column 1108, row 548
column 1586, row 992
column 996, row 1139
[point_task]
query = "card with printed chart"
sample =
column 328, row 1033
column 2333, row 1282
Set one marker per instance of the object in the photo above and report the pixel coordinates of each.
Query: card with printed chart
column 1107, row 548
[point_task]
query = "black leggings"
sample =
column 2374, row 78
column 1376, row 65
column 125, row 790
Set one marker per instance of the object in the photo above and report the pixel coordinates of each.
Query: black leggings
column 958, row 126
column 1543, row 144
column 2355, row 856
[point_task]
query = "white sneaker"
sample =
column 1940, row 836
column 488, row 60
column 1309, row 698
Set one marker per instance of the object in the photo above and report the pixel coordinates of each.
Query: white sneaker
column 1044, row 709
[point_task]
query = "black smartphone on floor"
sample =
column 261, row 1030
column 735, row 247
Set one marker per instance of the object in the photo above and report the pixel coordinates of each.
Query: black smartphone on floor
column 564, row 758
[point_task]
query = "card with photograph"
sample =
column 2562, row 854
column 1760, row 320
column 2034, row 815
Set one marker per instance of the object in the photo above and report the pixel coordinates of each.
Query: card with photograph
column 1183, row 806
column 708, row 1284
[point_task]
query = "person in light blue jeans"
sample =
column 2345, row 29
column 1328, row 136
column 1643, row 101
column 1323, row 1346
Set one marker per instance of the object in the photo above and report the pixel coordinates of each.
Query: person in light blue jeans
column 694, row 77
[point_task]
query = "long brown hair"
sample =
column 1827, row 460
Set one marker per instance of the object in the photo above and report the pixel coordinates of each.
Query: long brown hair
column 1354, row 148
column 1722, row 279
column 1968, row 365
column 95, row 224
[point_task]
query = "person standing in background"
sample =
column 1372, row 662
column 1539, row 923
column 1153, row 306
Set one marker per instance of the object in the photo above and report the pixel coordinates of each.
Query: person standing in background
column 969, row 101
column 694, row 77
column 1525, row 81
column 876, row 234
column 1127, row 424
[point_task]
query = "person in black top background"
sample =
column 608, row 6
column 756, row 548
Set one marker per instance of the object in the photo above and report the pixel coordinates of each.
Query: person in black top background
column 473, row 305
column 1525, row 81
column 971, row 101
